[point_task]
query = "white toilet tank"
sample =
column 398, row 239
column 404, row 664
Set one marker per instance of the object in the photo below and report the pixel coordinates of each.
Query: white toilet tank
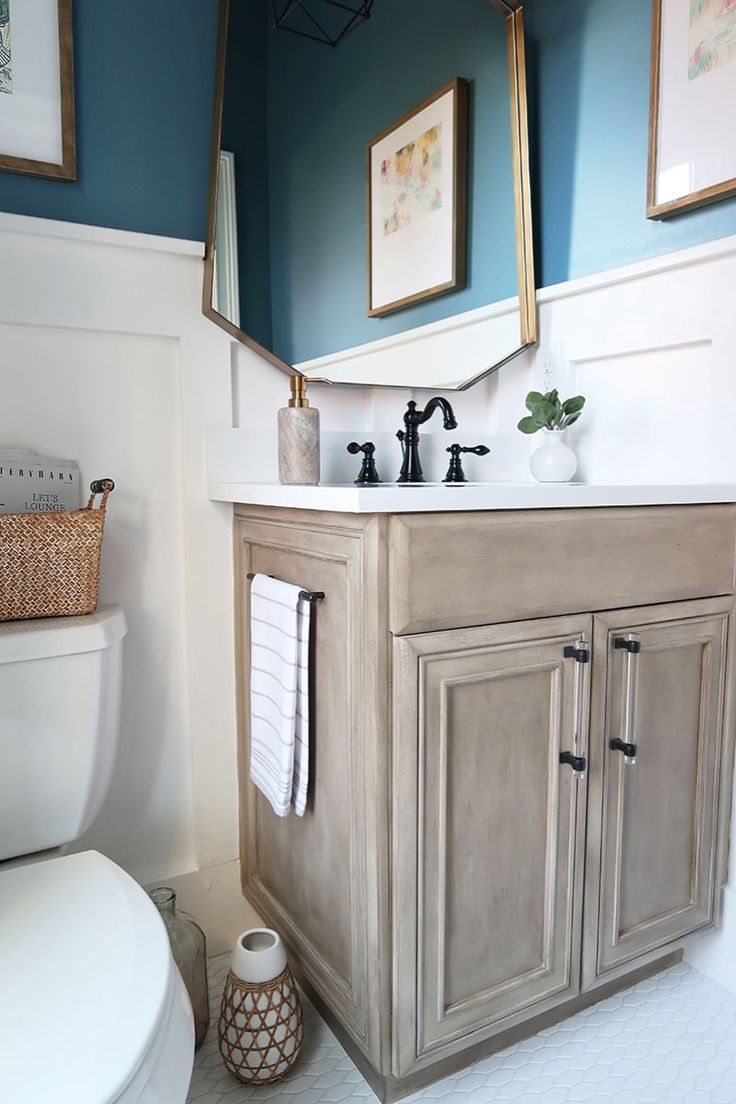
column 59, row 719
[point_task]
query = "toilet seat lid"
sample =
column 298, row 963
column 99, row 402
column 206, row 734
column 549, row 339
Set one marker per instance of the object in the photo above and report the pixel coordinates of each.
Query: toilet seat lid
column 85, row 975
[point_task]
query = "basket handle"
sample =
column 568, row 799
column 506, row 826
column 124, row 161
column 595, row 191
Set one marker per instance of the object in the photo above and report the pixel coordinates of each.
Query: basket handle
column 103, row 487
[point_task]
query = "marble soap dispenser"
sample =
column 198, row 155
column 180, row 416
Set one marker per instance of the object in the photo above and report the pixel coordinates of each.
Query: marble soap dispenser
column 298, row 437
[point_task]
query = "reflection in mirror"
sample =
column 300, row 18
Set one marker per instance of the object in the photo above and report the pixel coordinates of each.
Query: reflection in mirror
column 370, row 208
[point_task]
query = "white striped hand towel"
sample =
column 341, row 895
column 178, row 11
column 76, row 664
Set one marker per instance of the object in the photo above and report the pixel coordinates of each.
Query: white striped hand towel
column 279, row 731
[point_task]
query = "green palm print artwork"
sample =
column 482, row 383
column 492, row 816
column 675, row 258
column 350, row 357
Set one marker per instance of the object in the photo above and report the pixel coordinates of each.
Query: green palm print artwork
column 6, row 69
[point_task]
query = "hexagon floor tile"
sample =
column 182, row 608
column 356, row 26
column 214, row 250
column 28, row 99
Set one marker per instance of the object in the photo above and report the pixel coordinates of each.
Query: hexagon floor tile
column 671, row 1039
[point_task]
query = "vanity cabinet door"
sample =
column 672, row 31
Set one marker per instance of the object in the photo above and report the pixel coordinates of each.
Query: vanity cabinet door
column 488, row 830
column 655, row 758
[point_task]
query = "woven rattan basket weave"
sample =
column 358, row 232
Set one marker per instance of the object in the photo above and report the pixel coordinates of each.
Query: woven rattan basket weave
column 50, row 563
column 261, row 1028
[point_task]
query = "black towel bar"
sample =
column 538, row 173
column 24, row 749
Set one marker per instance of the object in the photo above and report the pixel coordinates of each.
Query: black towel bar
column 307, row 595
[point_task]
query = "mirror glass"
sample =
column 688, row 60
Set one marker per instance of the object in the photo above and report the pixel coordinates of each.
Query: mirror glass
column 370, row 208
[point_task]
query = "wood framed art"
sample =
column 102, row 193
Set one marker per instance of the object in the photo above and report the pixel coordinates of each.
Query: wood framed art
column 692, row 155
column 37, row 88
column 417, row 203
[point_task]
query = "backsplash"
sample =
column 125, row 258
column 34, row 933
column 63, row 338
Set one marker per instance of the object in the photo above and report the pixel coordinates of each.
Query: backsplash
column 651, row 346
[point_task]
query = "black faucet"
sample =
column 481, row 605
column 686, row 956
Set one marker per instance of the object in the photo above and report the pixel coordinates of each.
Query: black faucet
column 411, row 468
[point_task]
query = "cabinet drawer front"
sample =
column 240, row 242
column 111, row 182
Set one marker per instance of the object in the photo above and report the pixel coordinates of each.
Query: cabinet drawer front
column 497, row 816
column 450, row 570
column 659, row 812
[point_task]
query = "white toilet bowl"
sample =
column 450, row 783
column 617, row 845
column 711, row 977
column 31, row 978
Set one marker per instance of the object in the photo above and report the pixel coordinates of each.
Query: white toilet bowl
column 92, row 1007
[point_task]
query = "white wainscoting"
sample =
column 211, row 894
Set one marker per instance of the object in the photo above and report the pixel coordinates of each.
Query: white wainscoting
column 652, row 346
column 107, row 358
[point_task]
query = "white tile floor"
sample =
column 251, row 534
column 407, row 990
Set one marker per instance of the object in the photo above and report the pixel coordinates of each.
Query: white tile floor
column 672, row 1038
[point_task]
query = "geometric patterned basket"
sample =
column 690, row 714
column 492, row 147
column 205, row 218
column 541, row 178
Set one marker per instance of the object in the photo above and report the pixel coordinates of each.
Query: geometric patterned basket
column 261, row 1028
column 50, row 563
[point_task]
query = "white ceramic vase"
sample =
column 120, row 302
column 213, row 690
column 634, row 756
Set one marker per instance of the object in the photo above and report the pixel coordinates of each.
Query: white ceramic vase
column 258, row 956
column 554, row 461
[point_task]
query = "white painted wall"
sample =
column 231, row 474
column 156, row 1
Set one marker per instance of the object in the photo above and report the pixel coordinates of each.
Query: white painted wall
column 106, row 357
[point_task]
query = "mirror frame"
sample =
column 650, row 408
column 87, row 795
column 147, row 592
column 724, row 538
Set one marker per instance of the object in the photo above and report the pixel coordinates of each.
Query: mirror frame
column 514, row 12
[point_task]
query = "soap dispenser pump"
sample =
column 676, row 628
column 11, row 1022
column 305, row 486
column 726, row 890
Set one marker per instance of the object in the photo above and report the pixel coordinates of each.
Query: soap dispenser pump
column 298, row 437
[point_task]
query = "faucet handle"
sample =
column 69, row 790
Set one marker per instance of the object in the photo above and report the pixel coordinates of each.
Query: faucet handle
column 368, row 474
column 455, row 473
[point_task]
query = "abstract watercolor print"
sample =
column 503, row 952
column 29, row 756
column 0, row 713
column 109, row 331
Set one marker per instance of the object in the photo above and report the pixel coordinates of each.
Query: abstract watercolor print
column 712, row 35
column 411, row 181
column 6, row 70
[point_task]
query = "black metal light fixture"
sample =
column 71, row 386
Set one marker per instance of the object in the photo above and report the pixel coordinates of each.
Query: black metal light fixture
column 326, row 21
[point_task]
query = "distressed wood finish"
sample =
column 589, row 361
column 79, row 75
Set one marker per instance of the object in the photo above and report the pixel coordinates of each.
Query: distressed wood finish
column 488, row 889
column 487, row 568
column 652, row 865
column 452, row 886
column 320, row 879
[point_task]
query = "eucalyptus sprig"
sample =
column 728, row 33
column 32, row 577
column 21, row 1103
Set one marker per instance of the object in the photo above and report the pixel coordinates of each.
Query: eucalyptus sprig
column 547, row 412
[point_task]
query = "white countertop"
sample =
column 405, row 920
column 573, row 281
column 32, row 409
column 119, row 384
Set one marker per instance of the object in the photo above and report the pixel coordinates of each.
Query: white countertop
column 391, row 498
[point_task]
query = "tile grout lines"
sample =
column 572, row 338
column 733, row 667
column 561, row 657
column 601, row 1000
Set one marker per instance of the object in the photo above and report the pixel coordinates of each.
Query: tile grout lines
column 670, row 1038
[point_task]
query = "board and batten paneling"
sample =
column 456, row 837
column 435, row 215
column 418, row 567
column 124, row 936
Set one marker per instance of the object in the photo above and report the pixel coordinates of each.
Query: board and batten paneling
column 106, row 358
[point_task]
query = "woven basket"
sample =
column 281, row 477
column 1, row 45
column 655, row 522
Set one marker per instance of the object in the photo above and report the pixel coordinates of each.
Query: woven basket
column 50, row 563
column 261, row 1028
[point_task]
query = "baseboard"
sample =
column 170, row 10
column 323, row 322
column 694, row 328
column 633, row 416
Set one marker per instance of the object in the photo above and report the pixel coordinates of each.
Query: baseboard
column 214, row 897
column 714, row 954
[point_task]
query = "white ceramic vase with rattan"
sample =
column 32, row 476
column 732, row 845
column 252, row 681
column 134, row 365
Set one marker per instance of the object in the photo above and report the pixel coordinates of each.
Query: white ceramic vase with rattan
column 261, row 1024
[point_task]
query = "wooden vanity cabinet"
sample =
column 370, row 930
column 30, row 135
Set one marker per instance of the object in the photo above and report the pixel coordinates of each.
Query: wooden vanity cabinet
column 493, row 829
column 651, row 873
column 457, row 883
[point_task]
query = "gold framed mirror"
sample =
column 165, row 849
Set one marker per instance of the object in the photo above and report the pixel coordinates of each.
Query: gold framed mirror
column 370, row 207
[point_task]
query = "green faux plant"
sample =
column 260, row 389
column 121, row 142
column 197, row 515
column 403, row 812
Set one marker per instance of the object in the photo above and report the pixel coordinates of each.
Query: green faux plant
column 547, row 412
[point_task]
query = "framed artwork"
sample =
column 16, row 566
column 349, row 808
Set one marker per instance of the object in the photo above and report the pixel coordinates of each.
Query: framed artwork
column 37, row 88
column 417, row 203
column 692, row 154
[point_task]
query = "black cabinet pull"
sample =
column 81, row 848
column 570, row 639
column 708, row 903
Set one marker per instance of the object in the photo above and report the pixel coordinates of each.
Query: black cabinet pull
column 629, row 750
column 577, row 762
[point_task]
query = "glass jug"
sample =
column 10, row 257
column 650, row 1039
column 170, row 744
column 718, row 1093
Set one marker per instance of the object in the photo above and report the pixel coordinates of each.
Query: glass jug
column 189, row 948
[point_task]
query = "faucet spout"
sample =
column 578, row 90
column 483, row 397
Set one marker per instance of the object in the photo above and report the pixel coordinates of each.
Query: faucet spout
column 411, row 468
column 438, row 402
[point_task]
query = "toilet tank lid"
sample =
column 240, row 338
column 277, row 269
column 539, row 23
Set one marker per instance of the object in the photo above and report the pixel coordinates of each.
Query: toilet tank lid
column 58, row 636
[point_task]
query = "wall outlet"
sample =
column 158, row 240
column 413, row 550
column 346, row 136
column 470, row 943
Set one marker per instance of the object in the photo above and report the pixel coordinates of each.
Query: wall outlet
column 552, row 370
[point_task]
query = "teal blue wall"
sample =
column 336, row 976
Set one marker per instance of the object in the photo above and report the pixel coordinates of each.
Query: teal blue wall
column 324, row 107
column 144, row 87
column 144, row 95
column 245, row 134
column 589, row 75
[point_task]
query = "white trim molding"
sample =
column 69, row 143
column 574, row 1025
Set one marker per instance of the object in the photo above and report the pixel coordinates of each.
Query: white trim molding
column 97, row 235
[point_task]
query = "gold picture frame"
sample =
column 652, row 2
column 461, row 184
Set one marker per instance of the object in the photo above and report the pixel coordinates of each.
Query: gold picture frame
column 66, row 169
column 457, row 90
column 691, row 200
